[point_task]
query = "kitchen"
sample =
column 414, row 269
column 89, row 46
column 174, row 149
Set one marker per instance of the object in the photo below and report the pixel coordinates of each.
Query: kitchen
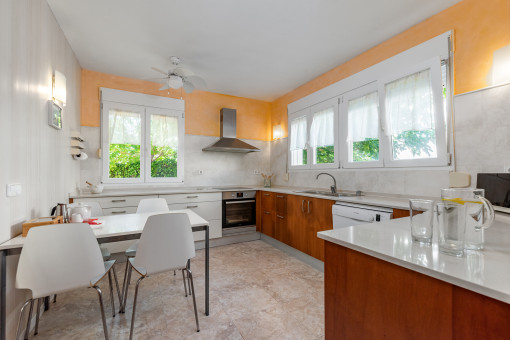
column 39, row 38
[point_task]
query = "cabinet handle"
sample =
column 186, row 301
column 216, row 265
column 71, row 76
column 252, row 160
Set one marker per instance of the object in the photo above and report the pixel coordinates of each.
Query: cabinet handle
column 279, row 196
column 267, row 194
column 117, row 201
column 267, row 212
column 192, row 196
column 119, row 212
column 302, row 205
column 309, row 207
column 279, row 216
column 192, row 206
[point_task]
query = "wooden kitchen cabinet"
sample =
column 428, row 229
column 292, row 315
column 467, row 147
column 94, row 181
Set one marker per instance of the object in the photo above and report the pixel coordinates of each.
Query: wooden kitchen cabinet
column 280, row 223
column 267, row 213
column 398, row 213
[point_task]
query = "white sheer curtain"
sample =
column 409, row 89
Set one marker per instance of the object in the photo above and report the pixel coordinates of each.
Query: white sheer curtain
column 124, row 127
column 409, row 103
column 298, row 133
column 363, row 118
column 322, row 131
column 164, row 131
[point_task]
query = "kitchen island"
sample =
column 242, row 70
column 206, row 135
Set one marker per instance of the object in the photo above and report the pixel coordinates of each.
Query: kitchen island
column 381, row 285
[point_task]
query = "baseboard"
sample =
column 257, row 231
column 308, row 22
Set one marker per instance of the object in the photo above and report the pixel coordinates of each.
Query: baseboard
column 309, row 260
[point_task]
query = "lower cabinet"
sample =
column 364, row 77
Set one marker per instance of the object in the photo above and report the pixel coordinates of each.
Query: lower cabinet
column 295, row 220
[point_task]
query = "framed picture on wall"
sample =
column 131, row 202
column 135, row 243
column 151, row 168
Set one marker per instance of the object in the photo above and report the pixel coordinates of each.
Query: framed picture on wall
column 54, row 115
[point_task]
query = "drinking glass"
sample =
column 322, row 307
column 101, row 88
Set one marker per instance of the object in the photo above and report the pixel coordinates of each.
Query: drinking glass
column 479, row 213
column 451, row 223
column 421, row 220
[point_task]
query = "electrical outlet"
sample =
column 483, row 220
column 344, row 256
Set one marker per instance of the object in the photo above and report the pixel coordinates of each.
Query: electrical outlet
column 506, row 168
column 13, row 190
column 256, row 172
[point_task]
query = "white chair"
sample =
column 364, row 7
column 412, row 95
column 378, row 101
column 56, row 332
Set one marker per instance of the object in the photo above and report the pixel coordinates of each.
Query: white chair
column 166, row 244
column 44, row 270
column 146, row 205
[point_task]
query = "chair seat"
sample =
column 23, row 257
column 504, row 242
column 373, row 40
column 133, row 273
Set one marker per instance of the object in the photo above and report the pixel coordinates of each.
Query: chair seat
column 131, row 251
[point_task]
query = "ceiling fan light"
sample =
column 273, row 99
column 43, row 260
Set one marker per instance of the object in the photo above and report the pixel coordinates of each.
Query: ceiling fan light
column 175, row 82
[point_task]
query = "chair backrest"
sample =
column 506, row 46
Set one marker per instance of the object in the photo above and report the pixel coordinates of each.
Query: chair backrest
column 166, row 243
column 60, row 257
column 149, row 205
column 96, row 209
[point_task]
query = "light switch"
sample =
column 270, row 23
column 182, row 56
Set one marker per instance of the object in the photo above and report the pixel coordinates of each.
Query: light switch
column 13, row 189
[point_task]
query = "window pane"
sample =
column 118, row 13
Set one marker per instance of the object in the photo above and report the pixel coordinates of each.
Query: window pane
column 410, row 109
column 164, row 146
column 124, row 140
column 322, row 136
column 298, row 137
column 363, row 128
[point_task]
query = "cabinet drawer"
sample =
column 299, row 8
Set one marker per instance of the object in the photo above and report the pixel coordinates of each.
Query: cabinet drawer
column 206, row 210
column 120, row 210
column 280, row 203
column 116, row 202
column 186, row 198
column 267, row 200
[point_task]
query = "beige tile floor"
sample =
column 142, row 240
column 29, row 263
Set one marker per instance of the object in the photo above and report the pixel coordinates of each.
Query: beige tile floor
column 257, row 292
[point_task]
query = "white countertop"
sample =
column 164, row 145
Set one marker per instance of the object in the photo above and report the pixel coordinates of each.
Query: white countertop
column 486, row 272
column 380, row 200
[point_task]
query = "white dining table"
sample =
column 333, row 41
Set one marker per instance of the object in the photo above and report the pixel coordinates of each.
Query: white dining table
column 113, row 228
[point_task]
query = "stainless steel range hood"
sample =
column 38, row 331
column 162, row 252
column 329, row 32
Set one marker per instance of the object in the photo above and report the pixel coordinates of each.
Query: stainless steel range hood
column 228, row 141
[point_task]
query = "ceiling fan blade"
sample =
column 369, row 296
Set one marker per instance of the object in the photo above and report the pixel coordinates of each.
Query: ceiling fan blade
column 187, row 86
column 198, row 82
column 166, row 87
column 180, row 71
column 159, row 70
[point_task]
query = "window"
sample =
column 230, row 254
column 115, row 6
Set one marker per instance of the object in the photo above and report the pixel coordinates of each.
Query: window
column 313, row 137
column 361, row 112
column 140, row 143
column 415, row 119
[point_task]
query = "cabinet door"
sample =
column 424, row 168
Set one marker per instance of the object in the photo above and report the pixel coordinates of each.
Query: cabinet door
column 280, row 226
column 320, row 219
column 267, row 223
column 267, row 201
column 280, row 204
column 297, row 219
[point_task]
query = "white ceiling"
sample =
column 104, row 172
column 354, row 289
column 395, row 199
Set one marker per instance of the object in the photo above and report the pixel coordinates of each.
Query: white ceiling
column 257, row 49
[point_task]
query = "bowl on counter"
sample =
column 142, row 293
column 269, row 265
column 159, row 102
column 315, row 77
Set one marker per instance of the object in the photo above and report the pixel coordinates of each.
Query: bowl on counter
column 96, row 188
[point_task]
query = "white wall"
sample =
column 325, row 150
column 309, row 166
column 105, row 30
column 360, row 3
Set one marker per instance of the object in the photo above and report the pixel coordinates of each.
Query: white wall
column 219, row 168
column 482, row 139
column 34, row 154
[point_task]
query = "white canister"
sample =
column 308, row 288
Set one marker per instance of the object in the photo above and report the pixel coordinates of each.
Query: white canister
column 76, row 218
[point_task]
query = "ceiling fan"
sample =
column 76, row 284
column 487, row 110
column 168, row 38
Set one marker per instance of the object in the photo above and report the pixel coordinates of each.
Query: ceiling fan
column 178, row 77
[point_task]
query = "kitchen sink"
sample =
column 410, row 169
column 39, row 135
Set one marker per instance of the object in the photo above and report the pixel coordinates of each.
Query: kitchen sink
column 328, row 193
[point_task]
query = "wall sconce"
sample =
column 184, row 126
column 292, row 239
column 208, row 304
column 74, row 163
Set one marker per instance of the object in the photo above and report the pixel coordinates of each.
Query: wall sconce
column 277, row 132
column 501, row 66
column 59, row 87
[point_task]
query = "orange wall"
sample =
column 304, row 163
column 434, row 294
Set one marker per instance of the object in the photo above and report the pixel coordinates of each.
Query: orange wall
column 202, row 108
column 480, row 27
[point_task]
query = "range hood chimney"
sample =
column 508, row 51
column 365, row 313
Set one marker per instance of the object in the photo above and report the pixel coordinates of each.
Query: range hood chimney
column 228, row 141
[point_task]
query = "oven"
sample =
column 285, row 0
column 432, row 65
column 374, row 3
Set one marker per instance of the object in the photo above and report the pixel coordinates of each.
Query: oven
column 239, row 211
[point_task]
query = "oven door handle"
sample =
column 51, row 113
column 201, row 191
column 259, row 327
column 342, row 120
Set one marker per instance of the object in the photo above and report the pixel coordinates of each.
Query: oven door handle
column 240, row 202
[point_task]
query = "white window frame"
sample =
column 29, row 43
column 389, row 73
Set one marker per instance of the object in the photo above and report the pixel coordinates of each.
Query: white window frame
column 145, row 105
column 434, row 65
column 295, row 115
column 331, row 103
column 343, row 109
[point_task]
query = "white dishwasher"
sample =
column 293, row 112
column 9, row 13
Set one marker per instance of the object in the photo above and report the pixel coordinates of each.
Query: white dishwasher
column 350, row 214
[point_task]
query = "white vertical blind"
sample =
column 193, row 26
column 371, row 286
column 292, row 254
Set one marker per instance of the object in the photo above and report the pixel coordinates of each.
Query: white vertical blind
column 164, row 131
column 363, row 118
column 409, row 103
column 124, row 127
column 322, row 131
column 298, row 133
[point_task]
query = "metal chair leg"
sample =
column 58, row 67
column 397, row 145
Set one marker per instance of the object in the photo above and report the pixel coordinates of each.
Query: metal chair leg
column 99, row 293
column 20, row 320
column 126, row 289
column 194, row 300
column 117, row 285
column 55, row 298
column 188, row 266
column 184, row 281
column 37, row 316
column 174, row 273
column 111, row 292
column 124, row 285
column 27, row 331
column 134, row 307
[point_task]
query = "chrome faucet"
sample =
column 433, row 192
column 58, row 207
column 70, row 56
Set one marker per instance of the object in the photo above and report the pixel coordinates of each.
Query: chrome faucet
column 333, row 187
